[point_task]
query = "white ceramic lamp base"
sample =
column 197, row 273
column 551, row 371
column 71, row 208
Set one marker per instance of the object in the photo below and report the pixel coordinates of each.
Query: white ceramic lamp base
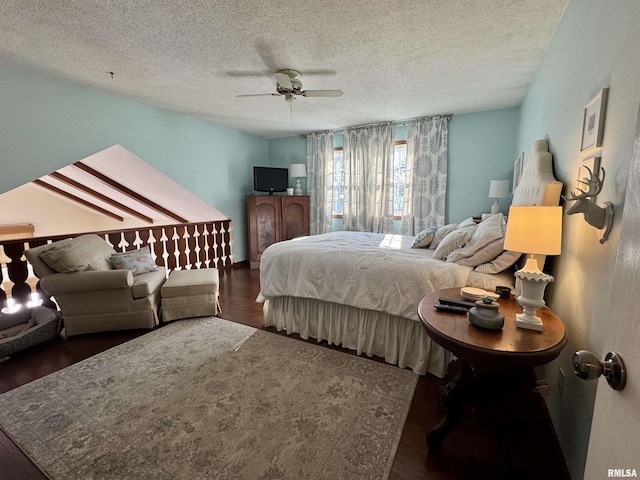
column 533, row 282
column 298, row 190
column 495, row 207
column 528, row 322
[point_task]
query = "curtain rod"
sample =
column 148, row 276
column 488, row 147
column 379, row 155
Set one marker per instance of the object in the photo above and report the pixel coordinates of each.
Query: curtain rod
column 398, row 123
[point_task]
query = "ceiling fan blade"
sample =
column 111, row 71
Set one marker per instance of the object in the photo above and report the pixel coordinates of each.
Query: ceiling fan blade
column 283, row 80
column 322, row 93
column 248, row 73
column 260, row 95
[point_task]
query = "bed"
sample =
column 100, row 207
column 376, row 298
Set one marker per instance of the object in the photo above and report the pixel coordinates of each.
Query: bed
column 361, row 290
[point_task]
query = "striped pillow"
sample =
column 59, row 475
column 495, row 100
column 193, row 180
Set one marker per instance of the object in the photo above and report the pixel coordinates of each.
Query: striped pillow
column 504, row 261
column 453, row 240
column 487, row 233
column 486, row 254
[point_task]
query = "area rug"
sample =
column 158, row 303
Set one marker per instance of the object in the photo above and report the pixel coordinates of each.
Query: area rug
column 211, row 399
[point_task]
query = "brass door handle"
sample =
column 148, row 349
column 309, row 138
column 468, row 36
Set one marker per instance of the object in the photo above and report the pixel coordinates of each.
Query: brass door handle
column 588, row 367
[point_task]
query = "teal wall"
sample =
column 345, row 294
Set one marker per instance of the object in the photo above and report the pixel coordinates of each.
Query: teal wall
column 46, row 125
column 596, row 45
column 482, row 147
column 286, row 151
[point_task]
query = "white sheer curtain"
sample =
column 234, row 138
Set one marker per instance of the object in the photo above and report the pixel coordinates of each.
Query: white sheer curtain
column 320, row 180
column 368, row 178
column 426, row 175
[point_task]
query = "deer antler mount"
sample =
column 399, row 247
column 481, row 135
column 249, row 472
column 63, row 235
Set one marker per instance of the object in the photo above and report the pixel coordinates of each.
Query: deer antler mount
column 599, row 216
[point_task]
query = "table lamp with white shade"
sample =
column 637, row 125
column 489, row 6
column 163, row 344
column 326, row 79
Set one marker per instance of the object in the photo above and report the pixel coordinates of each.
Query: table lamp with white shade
column 298, row 170
column 498, row 189
column 533, row 230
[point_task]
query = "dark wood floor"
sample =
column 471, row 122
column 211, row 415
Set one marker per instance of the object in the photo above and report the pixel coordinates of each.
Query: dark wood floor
column 473, row 450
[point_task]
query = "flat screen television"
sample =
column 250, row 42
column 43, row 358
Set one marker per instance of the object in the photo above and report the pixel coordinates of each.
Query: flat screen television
column 270, row 179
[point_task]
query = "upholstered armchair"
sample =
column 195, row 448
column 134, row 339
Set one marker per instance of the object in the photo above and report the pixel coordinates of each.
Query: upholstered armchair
column 93, row 295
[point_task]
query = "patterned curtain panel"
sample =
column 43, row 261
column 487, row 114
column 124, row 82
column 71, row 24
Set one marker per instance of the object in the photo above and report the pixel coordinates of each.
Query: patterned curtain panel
column 426, row 175
column 320, row 180
column 368, row 178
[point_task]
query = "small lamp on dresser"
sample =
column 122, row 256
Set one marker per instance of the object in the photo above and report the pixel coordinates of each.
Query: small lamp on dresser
column 498, row 189
column 533, row 230
column 298, row 170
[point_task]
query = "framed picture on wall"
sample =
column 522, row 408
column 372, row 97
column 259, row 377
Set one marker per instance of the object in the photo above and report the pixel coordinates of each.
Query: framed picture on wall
column 517, row 171
column 593, row 121
column 586, row 170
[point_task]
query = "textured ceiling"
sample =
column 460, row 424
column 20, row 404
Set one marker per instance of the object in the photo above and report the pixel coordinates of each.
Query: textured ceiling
column 393, row 59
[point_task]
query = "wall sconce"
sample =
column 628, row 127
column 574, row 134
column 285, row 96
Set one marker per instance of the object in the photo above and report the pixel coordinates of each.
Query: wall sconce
column 533, row 230
column 498, row 189
column 298, row 170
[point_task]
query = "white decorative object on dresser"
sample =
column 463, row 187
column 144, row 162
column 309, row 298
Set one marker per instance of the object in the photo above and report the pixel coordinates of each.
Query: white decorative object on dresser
column 498, row 189
column 297, row 170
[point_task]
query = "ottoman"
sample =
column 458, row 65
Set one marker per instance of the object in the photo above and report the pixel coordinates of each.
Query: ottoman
column 190, row 293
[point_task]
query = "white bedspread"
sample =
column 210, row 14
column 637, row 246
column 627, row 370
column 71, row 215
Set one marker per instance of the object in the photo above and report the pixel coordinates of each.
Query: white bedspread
column 364, row 270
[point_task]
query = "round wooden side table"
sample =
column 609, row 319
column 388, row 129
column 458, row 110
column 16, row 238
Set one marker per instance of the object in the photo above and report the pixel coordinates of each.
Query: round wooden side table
column 484, row 354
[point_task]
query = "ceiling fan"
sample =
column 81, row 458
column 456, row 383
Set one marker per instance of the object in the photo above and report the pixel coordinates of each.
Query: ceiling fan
column 289, row 85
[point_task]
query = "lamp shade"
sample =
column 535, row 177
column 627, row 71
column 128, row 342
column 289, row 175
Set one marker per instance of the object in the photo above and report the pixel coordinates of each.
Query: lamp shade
column 298, row 170
column 499, row 188
column 534, row 229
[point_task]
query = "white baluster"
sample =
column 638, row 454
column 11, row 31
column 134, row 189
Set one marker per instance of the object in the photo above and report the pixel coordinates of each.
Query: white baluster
column 123, row 243
column 137, row 242
column 187, row 250
column 196, row 236
column 165, row 255
column 176, row 251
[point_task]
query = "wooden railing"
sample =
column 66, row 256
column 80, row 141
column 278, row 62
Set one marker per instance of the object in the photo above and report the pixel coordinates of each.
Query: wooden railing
column 181, row 246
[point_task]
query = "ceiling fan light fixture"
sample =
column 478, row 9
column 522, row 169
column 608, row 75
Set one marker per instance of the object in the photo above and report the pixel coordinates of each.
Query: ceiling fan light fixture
column 288, row 79
column 288, row 84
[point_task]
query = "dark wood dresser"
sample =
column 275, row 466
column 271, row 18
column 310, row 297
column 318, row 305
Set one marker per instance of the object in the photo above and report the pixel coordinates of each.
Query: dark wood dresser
column 274, row 218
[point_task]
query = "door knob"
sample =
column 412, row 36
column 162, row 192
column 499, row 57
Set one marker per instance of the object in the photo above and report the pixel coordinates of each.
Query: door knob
column 588, row 367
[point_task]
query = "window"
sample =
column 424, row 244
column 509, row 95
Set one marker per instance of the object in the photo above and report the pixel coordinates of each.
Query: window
column 338, row 181
column 399, row 167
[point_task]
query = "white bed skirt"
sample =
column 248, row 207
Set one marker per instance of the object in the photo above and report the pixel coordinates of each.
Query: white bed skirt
column 400, row 341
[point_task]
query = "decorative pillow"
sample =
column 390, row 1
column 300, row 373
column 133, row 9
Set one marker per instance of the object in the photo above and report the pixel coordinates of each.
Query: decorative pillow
column 86, row 252
column 488, row 231
column 57, row 258
column 501, row 263
column 467, row 222
column 138, row 261
column 440, row 234
column 424, row 238
column 453, row 240
column 486, row 254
